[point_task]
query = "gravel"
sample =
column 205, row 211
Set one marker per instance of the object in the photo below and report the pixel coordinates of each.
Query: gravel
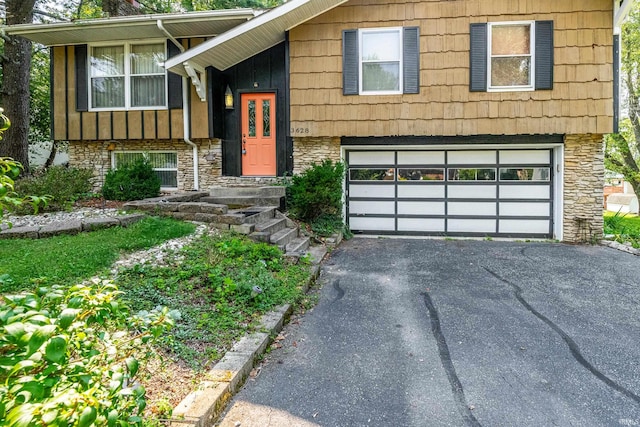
column 61, row 216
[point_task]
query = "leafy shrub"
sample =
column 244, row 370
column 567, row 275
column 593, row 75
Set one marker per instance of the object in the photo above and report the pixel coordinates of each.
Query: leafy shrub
column 317, row 191
column 131, row 181
column 64, row 186
column 70, row 357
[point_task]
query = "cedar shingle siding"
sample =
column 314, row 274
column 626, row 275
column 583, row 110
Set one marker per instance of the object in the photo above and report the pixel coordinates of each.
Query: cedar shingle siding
column 577, row 95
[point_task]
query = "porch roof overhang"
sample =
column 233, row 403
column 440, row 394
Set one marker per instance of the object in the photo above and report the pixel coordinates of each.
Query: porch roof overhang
column 252, row 37
column 179, row 25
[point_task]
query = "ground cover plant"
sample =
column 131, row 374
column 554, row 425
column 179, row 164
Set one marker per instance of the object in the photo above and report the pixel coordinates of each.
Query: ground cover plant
column 71, row 356
column 71, row 259
column 63, row 185
column 221, row 284
column 625, row 228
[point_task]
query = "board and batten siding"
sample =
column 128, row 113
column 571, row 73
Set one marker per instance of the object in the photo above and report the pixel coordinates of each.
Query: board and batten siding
column 70, row 124
column 580, row 102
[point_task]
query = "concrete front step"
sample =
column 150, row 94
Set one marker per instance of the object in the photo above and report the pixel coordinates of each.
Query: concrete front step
column 282, row 237
column 272, row 225
column 298, row 245
column 270, row 191
column 246, row 200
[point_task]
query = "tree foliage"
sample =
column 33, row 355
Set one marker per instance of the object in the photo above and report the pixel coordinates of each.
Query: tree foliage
column 622, row 152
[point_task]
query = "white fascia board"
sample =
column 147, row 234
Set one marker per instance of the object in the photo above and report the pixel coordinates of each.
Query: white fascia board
column 174, row 64
column 620, row 12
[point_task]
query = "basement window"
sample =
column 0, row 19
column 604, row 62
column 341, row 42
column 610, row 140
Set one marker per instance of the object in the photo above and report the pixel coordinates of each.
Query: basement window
column 165, row 164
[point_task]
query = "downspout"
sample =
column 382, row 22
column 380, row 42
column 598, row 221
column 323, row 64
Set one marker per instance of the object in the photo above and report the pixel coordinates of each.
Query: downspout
column 186, row 117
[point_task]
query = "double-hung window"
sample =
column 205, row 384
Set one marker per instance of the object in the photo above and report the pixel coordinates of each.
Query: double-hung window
column 381, row 61
column 511, row 55
column 507, row 56
column 128, row 76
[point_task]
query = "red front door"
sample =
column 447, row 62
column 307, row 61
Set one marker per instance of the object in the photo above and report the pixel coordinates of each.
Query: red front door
column 258, row 134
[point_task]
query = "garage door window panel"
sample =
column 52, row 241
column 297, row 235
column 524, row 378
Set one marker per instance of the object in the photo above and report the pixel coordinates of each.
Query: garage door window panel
column 525, row 174
column 464, row 174
column 372, row 174
column 421, row 174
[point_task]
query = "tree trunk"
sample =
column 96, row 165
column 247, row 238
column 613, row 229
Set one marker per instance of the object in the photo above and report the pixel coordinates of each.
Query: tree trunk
column 120, row 7
column 15, row 84
column 52, row 155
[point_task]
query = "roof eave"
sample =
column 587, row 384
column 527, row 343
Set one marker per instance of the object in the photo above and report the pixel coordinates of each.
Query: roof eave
column 273, row 24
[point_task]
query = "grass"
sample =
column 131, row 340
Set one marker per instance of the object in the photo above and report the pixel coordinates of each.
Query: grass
column 624, row 227
column 70, row 259
column 221, row 285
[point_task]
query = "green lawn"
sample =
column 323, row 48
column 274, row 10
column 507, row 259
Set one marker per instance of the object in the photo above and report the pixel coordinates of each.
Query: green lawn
column 625, row 227
column 69, row 259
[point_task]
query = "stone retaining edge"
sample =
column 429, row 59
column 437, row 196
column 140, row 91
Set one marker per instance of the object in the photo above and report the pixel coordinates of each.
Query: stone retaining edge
column 201, row 408
column 620, row 247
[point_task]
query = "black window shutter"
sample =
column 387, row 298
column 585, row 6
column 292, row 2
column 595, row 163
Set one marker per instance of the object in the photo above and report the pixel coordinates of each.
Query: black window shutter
column 544, row 55
column 82, row 87
column 174, row 81
column 478, row 58
column 411, row 58
column 350, row 61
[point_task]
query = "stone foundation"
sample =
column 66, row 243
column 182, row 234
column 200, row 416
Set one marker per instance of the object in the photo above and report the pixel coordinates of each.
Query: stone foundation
column 314, row 150
column 96, row 155
column 583, row 188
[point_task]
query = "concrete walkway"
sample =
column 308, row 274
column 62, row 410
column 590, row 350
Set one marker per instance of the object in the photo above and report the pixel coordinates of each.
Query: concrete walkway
column 458, row 333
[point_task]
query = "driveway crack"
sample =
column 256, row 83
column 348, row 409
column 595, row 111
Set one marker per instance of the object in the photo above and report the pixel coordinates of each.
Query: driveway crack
column 445, row 358
column 573, row 347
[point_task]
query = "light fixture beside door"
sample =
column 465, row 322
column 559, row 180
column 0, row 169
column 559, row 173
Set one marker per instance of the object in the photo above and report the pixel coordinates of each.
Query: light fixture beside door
column 228, row 99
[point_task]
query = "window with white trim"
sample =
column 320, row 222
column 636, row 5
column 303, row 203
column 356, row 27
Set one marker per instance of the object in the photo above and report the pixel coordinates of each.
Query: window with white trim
column 381, row 61
column 165, row 164
column 511, row 55
column 128, row 76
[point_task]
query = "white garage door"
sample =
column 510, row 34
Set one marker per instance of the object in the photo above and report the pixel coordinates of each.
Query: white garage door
column 451, row 192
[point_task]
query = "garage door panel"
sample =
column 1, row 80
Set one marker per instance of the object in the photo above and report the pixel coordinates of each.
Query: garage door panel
column 433, row 225
column 526, row 157
column 421, row 191
column 525, row 209
column 471, row 157
column 506, row 191
column 523, row 226
column 472, row 192
column 471, row 225
column 525, row 191
column 372, row 207
column 371, row 158
column 372, row 224
column 421, row 208
column 471, row 208
column 420, row 157
column 386, row 191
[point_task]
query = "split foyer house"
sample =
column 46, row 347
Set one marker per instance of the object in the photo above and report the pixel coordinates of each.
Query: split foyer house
column 455, row 117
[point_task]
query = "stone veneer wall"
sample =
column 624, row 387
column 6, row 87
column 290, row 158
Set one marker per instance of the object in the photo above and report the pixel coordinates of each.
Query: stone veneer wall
column 314, row 150
column 583, row 187
column 95, row 155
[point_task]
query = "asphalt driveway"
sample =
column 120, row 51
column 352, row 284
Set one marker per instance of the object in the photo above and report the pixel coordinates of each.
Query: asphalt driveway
column 458, row 333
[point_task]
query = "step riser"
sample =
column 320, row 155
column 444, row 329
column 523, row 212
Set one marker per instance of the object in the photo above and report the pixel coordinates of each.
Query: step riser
column 281, row 239
column 298, row 245
column 272, row 226
column 271, row 191
column 245, row 201
column 266, row 215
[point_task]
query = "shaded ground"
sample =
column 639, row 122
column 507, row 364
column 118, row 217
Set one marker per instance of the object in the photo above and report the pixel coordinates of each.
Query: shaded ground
column 458, row 333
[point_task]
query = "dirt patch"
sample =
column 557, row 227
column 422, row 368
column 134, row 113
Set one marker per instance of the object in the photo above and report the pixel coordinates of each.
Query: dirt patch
column 99, row 203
